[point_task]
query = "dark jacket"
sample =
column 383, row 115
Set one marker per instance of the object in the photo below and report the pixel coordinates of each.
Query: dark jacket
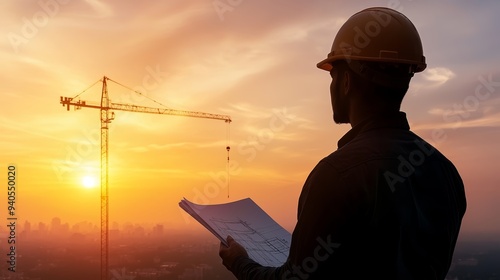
column 385, row 205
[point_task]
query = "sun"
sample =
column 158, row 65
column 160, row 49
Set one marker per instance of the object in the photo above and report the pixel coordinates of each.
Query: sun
column 89, row 182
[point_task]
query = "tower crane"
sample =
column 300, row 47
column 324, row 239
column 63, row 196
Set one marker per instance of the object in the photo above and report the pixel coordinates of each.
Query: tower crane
column 106, row 108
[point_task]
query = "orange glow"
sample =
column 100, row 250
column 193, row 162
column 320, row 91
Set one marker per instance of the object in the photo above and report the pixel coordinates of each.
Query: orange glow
column 260, row 72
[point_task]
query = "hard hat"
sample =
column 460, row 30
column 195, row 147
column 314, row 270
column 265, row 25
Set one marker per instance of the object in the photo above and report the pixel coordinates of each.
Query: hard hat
column 380, row 35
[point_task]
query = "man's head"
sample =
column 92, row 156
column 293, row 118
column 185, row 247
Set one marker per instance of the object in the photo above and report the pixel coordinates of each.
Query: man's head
column 354, row 93
column 373, row 57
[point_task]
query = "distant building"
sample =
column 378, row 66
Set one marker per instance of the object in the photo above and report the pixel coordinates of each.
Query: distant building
column 195, row 273
column 157, row 230
column 26, row 228
column 42, row 228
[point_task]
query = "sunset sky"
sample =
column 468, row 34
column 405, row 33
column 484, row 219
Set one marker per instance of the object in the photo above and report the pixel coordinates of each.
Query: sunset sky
column 252, row 60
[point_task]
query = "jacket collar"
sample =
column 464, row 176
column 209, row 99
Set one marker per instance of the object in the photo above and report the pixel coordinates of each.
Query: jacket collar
column 396, row 120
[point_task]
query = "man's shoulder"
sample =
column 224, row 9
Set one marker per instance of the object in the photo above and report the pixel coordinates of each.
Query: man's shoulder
column 378, row 146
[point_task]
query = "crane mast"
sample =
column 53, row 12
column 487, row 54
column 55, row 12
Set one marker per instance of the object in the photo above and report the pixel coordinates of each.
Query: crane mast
column 107, row 115
column 105, row 120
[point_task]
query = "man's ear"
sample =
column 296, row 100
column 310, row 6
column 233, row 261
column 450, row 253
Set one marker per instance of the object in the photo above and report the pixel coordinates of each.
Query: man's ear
column 347, row 82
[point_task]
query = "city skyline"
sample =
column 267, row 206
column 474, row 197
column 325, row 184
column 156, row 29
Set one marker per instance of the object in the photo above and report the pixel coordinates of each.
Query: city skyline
column 166, row 254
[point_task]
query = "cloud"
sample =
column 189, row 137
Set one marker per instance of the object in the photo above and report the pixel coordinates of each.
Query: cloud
column 248, row 111
column 438, row 75
column 102, row 9
column 174, row 146
column 485, row 114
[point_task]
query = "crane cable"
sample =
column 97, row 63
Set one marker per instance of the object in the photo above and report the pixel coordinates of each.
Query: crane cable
column 228, row 148
column 100, row 80
column 138, row 92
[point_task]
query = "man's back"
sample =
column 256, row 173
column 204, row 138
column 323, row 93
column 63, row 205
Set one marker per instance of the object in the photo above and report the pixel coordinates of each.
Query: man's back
column 392, row 202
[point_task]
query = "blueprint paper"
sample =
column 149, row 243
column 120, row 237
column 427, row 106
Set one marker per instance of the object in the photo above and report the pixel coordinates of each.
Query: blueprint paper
column 265, row 240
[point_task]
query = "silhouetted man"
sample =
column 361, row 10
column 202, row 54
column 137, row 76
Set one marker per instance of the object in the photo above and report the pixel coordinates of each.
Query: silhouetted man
column 385, row 204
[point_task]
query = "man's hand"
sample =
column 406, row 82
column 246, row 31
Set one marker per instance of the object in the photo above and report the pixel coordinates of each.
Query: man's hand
column 231, row 253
